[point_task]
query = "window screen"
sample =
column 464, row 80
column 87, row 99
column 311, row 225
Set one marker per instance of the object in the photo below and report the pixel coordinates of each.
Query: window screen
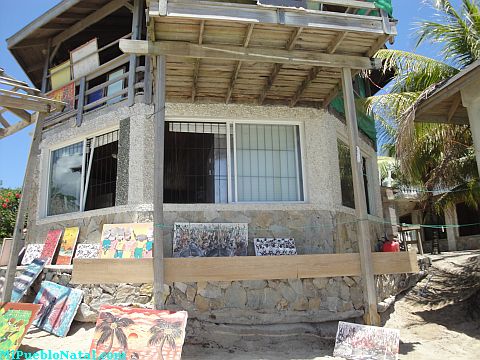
column 346, row 177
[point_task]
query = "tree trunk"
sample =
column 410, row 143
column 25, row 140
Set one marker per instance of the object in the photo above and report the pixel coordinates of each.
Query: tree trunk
column 105, row 353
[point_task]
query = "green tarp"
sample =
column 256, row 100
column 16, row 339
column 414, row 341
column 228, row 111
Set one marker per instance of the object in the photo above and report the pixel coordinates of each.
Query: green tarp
column 381, row 4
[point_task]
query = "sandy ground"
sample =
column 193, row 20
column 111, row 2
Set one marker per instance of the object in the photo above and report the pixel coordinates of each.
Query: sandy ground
column 438, row 319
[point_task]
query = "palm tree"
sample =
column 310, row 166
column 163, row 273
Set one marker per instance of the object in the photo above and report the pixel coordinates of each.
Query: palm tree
column 164, row 331
column 431, row 155
column 111, row 328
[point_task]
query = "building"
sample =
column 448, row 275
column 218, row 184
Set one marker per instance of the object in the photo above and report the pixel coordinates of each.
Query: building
column 249, row 136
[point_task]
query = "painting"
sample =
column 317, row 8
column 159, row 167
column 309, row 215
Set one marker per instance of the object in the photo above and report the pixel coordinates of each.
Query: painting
column 274, row 246
column 26, row 279
column 355, row 341
column 127, row 241
column 210, row 239
column 66, row 93
column 15, row 319
column 67, row 246
column 6, row 249
column 59, row 306
column 141, row 333
column 87, row 251
column 48, row 252
column 85, row 59
column 60, row 75
column 32, row 251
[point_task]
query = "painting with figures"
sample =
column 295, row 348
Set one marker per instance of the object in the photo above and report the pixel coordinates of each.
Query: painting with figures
column 355, row 341
column 210, row 239
column 274, row 246
column 140, row 333
column 32, row 252
column 87, row 251
column 127, row 241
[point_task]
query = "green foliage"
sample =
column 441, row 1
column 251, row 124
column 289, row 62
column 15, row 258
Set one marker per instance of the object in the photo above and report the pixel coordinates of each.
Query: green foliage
column 9, row 200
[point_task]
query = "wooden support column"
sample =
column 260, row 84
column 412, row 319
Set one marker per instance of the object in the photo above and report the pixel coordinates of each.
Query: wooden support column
column 46, row 66
column 81, row 100
column 158, row 150
column 361, row 213
column 136, row 34
column 22, row 209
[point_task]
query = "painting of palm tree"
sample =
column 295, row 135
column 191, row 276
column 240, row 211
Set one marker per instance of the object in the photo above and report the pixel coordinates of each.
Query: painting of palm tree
column 165, row 332
column 111, row 328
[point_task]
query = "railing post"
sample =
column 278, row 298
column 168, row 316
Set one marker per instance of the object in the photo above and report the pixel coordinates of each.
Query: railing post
column 147, row 80
column 81, row 100
column 136, row 33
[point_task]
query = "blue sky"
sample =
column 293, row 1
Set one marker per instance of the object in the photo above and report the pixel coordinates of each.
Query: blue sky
column 14, row 149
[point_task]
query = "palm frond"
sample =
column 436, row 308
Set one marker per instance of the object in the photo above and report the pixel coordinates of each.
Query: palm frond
column 106, row 334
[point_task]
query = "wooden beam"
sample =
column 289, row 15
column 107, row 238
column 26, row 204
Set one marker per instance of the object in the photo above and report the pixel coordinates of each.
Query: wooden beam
column 19, row 103
column 453, row 109
column 115, row 271
column 158, row 151
column 227, row 52
column 361, row 213
column 348, row 3
column 331, row 95
column 32, row 97
column 336, row 42
column 22, row 114
column 277, row 67
column 377, row 45
column 4, row 122
column 238, row 65
column 14, row 128
column 27, row 190
column 89, row 20
column 312, row 75
column 196, row 66
column 27, row 89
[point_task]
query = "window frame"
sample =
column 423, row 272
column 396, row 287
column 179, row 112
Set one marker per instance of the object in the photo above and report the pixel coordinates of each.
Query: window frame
column 47, row 168
column 232, row 191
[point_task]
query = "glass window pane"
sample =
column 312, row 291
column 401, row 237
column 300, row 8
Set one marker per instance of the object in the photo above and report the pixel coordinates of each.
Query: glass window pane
column 346, row 177
column 65, row 180
column 268, row 163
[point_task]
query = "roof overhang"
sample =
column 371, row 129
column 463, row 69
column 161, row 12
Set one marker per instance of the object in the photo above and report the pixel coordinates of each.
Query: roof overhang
column 444, row 104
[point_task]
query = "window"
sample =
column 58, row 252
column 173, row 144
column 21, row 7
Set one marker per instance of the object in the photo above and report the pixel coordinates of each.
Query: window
column 83, row 175
column 467, row 215
column 365, row 183
column 232, row 162
column 346, row 176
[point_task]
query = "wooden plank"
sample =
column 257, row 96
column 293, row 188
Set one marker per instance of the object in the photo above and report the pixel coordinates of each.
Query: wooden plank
column 81, row 101
column 336, row 42
column 361, row 213
column 28, row 89
column 158, row 151
column 455, row 104
column 4, row 122
column 312, row 75
column 196, row 67
column 14, row 128
column 89, row 20
column 226, row 52
column 106, row 271
column 22, row 114
column 22, row 103
column 136, row 34
column 348, row 3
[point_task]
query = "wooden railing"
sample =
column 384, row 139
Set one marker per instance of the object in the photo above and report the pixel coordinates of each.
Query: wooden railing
column 85, row 91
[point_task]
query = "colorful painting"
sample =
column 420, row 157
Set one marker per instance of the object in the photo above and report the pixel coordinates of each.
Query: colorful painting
column 26, row 279
column 48, row 252
column 66, row 94
column 210, row 239
column 59, row 306
column 87, row 251
column 32, row 251
column 274, row 246
column 355, row 341
column 127, row 241
column 141, row 333
column 67, row 245
column 15, row 319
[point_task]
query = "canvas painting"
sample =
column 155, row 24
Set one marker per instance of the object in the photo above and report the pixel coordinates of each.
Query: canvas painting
column 355, row 341
column 274, row 246
column 66, row 94
column 141, row 333
column 210, row 239
column 85, row 59
column 87, row 251
column 67, row 246
column 26, row 279
column 127, row 241
column 15, row 319
column 50, row 246
column 32, row 251
column 59, row 306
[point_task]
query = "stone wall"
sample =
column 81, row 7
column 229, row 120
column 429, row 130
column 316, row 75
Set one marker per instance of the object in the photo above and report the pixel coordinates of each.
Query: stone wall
column 258, row 302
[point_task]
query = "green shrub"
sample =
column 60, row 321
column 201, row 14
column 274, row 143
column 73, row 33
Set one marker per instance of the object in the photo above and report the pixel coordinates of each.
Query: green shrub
column 9, row 200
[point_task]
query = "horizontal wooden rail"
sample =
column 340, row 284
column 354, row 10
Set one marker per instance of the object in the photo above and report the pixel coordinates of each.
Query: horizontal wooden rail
column 116, row 271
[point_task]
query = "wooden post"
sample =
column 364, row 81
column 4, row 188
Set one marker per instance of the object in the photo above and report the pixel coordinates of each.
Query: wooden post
column 158, row 151
column 369, row 291
column 136, row 34
column 147, row 82
column 81, row 100
column 22, row 210
column 45, row 67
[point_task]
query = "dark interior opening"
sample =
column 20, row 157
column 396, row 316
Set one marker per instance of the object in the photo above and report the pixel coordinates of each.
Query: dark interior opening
column 467, row 216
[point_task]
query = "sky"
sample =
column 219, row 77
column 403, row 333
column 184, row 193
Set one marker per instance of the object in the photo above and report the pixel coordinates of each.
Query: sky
column 14, row 149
